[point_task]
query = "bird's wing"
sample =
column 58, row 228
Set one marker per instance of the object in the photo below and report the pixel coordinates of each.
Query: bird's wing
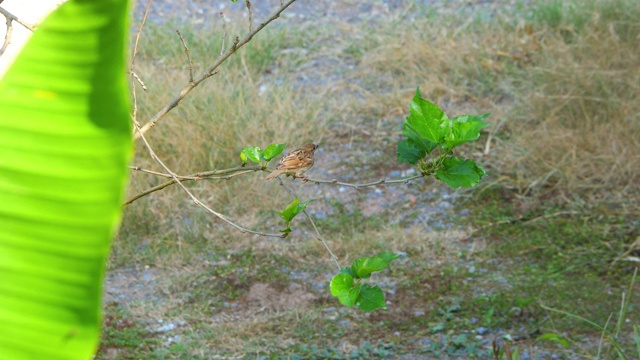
column 295, row 160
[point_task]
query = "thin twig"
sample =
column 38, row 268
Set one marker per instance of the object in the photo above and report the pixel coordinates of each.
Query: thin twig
column 135, row 76
column 358, row 186
column 210, row 71
column 7, row 36
column 224, row 174
column 134, row 114
column 203, row 174
column 195, row 199
column 186, row 50
column 147, row 171
column 9, row 15
column 224, row 33
column 250, row 14
column 318, row 236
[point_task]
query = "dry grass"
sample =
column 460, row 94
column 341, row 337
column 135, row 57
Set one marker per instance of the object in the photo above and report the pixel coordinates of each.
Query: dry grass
column 561, row 83
column 577, row 117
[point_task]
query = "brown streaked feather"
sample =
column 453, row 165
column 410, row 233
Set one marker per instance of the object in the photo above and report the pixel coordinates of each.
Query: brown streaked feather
column 296, row 162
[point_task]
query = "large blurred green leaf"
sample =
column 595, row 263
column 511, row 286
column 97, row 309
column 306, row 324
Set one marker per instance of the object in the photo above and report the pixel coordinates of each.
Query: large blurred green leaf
column 65, row 142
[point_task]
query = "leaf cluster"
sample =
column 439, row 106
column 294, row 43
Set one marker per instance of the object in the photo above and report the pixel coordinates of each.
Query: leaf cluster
column 431, row 137
column 260, row 156
column 347, row 286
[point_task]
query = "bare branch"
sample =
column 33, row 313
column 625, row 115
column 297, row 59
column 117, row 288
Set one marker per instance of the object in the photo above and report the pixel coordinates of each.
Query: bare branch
column 193, row 198
column 132, row 72
column 7, row 37
column 224, row 33
column 135, row 76
column 10, row 18
column 186, row 50
column 9, row 15
column 374, row 183
column 224, row 174
column 210, row 71
column 318, row 236
column 248, row 3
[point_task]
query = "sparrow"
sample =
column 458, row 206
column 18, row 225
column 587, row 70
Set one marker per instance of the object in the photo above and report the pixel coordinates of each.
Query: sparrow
column 295, row 163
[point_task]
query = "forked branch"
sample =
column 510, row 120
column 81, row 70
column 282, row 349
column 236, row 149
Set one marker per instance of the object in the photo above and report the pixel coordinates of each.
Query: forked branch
column 193, row 197
column 210, row 71
column 10, row 18
column 224, row 174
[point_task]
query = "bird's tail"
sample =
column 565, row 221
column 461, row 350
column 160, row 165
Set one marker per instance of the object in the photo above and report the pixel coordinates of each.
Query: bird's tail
column 272, row 175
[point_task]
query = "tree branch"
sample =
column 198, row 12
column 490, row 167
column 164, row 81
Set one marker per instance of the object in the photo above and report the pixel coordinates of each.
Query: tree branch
column 10, row 18
column 193, row 198
column 7, row 37
column 224, row 174
column 186, row 50
column 358, row 186
column 131, row 70
column 9, row 15
column 210, row 71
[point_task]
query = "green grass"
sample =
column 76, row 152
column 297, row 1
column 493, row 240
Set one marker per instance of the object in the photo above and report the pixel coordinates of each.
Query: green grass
column 124, row 335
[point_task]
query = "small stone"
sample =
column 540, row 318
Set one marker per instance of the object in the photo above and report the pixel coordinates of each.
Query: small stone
column 482, row 331
column 418, row 313
column 167, row 327
column 515, row 311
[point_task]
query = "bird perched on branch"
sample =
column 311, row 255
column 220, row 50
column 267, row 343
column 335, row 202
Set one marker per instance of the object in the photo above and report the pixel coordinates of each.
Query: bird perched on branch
column 295, row 163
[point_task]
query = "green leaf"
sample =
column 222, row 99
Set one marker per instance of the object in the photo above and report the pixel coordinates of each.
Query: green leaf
column 389, row 257
column 464, row 129
column 342, row 287
column 364, row 266
column 294, row 208
column 425, row 119
column 290, row 211
column 273, row 150
column 371, row 298
column 555, row 338
column 416, row 139
column 65, row 144
column 243, row 157
column 347, row 271
column 410, row 153
column 457, row 172
column 253, row 153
